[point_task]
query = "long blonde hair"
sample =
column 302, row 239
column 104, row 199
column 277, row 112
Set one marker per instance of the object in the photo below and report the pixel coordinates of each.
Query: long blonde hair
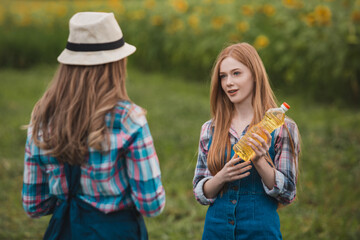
column 70, row 116
column 221, row 107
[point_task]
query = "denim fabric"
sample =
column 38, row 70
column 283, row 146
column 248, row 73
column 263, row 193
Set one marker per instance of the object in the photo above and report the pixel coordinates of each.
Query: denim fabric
column 244, row 210
column 75, row 219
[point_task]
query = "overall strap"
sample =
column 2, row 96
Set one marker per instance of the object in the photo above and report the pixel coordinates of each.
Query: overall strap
column 73, row 174
column 272, row 146
column 210, row 140
column 61, row 215
column 209, row 144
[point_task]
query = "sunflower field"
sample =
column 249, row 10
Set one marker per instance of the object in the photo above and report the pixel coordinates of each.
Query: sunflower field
column 307, row 45
column 310, row 46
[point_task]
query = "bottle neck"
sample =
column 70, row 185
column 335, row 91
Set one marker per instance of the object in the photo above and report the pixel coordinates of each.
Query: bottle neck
column 284, row 108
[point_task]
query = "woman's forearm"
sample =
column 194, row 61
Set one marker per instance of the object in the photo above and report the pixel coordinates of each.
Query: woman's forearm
column 232, row 171
column 266, row 172
column 213, row 186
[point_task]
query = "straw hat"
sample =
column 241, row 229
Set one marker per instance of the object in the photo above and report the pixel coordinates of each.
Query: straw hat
column 95, row 38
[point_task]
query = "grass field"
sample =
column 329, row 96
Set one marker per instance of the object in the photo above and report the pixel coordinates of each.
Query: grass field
column 328, row 205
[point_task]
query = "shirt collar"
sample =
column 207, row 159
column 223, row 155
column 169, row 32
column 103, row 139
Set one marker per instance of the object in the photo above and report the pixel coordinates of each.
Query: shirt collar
column 235, row 134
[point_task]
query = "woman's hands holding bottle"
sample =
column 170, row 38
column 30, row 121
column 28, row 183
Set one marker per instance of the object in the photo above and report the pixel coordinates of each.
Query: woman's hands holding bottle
column 233, row 170
column 261, row 148
column 230, row 172
column 259, row 145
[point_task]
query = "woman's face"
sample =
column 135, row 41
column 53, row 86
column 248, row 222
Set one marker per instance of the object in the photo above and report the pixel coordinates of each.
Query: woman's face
column 236, row 80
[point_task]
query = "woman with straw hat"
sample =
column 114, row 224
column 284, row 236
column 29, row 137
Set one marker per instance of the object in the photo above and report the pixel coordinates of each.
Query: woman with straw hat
column 89, row 157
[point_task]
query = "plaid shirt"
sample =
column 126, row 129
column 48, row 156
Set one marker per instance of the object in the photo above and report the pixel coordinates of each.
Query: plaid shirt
column 127, row 176
column 285, row 173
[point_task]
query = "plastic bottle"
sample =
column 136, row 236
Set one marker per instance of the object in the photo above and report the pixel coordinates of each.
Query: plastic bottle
column 274, row 118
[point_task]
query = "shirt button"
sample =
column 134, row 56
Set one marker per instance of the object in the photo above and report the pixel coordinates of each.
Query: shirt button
column 235, row 188
column 233, row 201
column 231, row 222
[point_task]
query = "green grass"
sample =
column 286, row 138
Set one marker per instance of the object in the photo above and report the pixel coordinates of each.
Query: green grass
column 328, row 204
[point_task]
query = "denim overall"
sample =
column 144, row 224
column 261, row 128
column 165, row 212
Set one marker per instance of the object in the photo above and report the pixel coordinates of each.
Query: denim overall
column 244, row 210
column 75, row 219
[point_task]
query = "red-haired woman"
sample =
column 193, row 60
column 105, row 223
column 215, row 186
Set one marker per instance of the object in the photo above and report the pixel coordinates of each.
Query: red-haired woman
column 244, row 196
column 89, row 156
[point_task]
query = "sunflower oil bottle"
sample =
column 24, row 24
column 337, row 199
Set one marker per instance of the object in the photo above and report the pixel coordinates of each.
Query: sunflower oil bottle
column 274, row 118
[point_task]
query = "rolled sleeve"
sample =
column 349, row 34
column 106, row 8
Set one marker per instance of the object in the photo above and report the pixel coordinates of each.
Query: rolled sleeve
column 199, row 192
column 202, row 173
column 286, row 163
column 36, row 198
column 278, row 189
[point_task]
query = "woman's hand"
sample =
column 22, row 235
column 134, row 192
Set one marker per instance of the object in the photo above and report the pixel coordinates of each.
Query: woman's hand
column 259, row 145
column 261, row 148
column 231, row 172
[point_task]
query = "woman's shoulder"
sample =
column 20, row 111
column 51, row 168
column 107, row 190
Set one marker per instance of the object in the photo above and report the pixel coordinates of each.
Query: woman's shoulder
column 289, row 130
column 205, row 135
column 206, row 128
column 125, row 106
column 291, row 126
column 126, row 111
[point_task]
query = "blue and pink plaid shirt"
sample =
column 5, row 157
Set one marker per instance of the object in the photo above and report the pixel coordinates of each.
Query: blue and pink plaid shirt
column 285, row 164
column 126, row 176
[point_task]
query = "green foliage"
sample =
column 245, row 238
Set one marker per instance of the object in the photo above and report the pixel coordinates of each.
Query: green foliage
column 307, row 46
column 327, row 206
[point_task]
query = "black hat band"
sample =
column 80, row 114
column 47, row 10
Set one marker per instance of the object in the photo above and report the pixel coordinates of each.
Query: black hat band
column 93, row 47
